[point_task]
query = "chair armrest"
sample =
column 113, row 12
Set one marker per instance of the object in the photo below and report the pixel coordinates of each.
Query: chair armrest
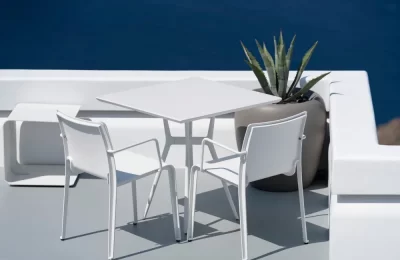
column 207, row 140
column 85, row 118
column 137, row 144
column 225, row 158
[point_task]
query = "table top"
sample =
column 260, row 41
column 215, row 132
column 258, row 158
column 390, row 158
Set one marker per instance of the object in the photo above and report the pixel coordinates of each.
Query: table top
column 188, row 99
column 35, row 112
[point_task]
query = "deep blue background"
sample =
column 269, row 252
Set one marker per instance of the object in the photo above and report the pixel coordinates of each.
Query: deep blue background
column 204, row 35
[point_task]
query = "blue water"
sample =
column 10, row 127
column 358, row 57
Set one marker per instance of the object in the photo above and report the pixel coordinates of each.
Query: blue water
column 204, row 35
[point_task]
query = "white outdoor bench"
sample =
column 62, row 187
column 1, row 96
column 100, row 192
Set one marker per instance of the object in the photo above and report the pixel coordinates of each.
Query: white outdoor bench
column 32, row 166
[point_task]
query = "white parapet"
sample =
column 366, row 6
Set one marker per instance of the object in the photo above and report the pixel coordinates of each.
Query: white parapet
column 365, row 195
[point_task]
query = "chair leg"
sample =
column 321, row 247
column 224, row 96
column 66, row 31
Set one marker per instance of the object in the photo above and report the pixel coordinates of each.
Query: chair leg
column 134, row 201
column 111, row 221
column 229, row 196
column 192, row 201
column 243, row 219
column 65, row 202
column 301, row 199
column 174, row 202
column 329, row 182
column 151, row 195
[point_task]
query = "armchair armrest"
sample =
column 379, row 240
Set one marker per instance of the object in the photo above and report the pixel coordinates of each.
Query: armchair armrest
column 224, row 158
column 114, row 151
column 85, row 118
column 205, row 141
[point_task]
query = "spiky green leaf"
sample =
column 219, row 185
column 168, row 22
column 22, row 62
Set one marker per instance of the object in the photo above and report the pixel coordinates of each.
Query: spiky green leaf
column 250, row 56
column 289, row 54
column 281, row 41
column 306, row 88
column 276, row 54
column 282, row 70
column 269, row 66
column 261, row 78
column 302, row 67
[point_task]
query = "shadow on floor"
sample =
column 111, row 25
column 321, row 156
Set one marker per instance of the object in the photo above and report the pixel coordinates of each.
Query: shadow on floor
column 158, row 229
column 272, row 216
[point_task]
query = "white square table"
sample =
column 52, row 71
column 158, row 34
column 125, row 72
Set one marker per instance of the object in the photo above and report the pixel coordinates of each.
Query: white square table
column 184, row 101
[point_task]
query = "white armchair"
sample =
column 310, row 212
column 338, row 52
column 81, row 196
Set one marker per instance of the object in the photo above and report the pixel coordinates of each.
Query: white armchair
column 88, row 148
column 258, row 159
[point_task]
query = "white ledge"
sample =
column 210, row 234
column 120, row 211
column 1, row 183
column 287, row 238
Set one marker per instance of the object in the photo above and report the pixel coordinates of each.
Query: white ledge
column 359, row 164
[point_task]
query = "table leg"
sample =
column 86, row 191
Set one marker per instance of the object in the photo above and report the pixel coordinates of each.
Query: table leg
column 189, row 164
column 169, row 140
column 188, row 140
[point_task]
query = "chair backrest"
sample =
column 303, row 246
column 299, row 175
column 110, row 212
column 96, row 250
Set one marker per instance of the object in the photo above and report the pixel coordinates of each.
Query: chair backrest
column 86, row 144
column 273, row 147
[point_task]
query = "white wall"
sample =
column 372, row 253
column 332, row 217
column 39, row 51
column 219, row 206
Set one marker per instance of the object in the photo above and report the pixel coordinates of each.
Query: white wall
column 131, row 130
column 82, row 87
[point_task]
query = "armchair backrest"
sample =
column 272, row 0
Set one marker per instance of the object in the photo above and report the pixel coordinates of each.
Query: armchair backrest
column 86, row 144
column 273, row 147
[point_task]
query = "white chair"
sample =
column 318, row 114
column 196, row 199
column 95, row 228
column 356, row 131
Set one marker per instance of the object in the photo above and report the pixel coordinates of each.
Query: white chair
column 88, row 148
column 269, row 149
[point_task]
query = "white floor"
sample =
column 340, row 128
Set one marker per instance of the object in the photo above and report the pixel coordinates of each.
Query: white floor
column 30, row 217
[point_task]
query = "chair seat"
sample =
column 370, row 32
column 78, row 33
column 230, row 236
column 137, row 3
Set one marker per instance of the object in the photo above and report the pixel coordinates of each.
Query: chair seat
column 131, row 166
column 227, row 170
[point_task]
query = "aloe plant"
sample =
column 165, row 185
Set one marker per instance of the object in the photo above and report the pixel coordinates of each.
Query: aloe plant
column 278, row 70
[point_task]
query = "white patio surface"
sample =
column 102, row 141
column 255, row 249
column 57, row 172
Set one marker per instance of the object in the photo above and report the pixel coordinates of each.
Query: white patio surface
column 31, row 216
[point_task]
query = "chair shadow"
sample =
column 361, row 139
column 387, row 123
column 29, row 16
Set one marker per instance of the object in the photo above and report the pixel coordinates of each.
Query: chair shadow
column 161, row 231
column 158, row 229
column 85, row 175
column 272, row 216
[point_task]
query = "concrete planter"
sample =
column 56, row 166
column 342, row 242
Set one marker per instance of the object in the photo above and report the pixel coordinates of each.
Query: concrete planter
column 312, row 145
